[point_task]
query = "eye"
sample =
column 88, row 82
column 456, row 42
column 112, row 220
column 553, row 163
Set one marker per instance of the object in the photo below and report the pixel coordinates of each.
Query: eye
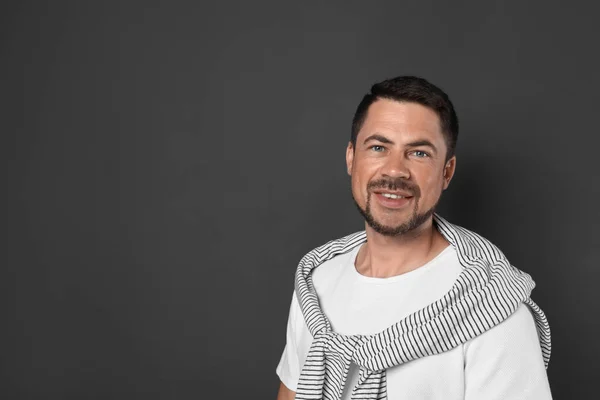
column 376, row 147
column 420, row 153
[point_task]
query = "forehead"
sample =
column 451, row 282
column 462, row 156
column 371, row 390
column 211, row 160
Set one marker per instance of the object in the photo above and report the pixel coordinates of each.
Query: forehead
column 405, row 119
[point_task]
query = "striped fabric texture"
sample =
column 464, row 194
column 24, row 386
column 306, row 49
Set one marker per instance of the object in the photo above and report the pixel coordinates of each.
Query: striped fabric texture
column 487, row 291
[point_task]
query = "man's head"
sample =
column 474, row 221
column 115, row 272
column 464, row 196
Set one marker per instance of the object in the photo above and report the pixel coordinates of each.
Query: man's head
column 402, row 144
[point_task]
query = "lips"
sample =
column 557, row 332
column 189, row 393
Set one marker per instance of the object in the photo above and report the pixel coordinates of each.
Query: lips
column 393, row 203
column 393, row 199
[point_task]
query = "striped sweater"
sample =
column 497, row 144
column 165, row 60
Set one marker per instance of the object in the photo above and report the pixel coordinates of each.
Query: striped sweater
column 488, row 290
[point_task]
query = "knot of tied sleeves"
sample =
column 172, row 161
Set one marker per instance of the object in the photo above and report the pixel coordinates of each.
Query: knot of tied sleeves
column 487, row 291
column 326, row 368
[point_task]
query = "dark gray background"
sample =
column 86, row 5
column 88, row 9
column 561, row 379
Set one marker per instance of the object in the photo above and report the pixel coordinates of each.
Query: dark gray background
column 167, row 164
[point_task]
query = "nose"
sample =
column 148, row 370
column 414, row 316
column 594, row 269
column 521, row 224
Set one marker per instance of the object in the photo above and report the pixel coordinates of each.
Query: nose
column 396, row 167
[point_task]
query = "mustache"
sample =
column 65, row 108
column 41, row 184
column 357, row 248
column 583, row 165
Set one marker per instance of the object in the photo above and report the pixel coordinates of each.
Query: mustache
column 395, row 184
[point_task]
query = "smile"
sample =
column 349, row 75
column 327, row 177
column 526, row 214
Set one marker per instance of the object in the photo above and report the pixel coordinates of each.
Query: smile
column 392, row 200
column 392, row 196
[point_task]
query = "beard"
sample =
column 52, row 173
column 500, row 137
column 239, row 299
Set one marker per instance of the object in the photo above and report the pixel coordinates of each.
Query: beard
column 415, row 220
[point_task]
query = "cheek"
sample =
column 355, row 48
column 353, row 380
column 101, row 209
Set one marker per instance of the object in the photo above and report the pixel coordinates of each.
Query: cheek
column 359, row 188
column 361, row 176
column 432, row 184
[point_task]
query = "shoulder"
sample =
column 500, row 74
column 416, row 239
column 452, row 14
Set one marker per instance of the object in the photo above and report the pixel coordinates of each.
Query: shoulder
column 518, row 323
column 516, row 334
column 333, row 270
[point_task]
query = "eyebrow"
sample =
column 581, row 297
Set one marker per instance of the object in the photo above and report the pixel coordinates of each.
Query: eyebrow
column 417, row 143
column 379, row 138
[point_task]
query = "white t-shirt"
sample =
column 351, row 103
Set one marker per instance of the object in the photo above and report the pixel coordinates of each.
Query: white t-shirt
column 503, row 363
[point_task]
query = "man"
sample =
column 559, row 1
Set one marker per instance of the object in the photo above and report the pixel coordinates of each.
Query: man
column 414, row 307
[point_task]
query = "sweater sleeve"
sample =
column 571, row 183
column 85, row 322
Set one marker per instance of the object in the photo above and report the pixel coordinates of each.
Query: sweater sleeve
column 506, row 362
column 289, row 367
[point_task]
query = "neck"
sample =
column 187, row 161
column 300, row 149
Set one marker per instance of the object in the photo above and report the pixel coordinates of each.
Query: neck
column 384, row 256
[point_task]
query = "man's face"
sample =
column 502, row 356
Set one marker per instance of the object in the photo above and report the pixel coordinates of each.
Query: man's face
column 400, row 151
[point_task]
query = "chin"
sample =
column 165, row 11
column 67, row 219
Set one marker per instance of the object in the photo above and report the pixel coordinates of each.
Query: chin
column 393, row 218
column 390, row 227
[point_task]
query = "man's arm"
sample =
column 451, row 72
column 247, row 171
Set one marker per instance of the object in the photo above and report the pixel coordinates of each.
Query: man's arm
column 285, row 393
column 506, row 362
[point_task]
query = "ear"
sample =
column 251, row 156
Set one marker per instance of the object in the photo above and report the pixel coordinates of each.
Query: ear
column 449, row 171
column 349, row 158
